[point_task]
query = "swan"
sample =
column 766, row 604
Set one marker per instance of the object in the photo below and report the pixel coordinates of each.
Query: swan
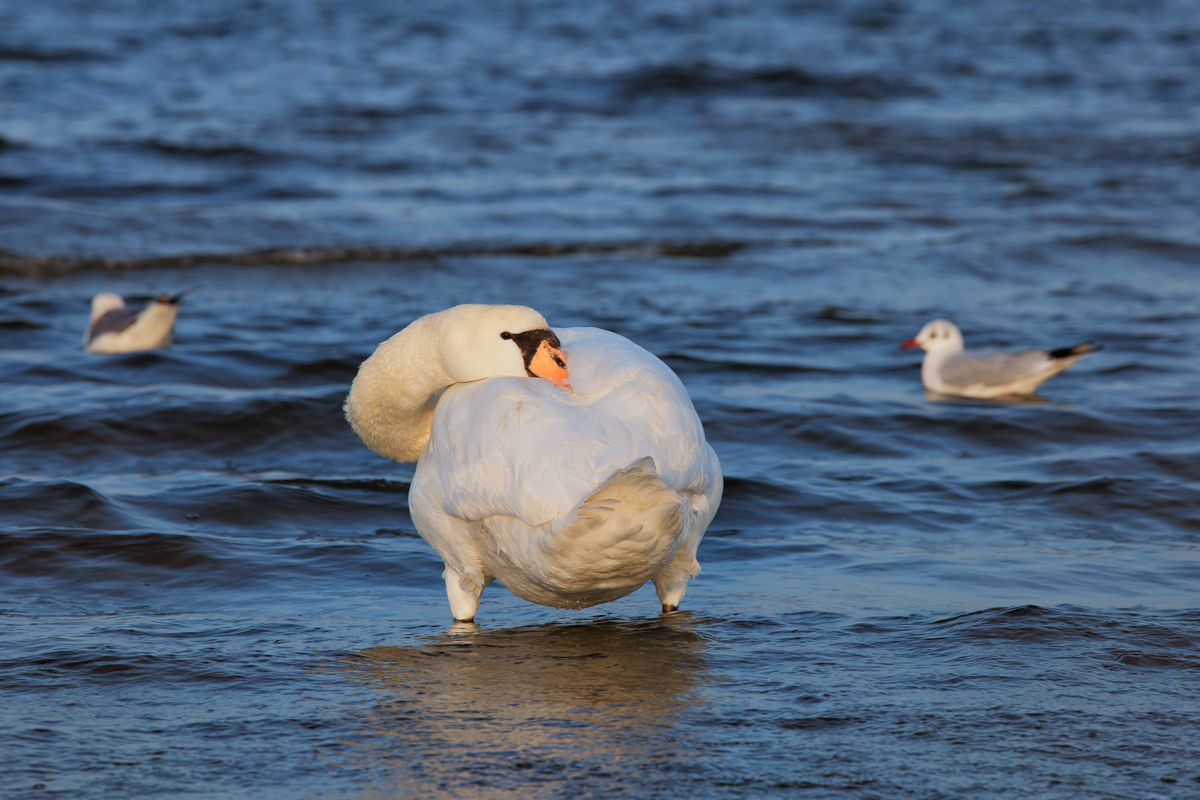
column 569, row 489
column 948, row 369
column 114, row 327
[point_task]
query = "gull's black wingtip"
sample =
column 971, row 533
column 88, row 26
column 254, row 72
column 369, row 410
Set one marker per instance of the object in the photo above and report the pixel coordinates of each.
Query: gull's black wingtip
column 174, row 299
column 1082, row 349
column 161, row 297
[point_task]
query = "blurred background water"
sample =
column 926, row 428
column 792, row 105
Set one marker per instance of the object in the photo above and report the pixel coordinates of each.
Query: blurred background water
column 211, row 588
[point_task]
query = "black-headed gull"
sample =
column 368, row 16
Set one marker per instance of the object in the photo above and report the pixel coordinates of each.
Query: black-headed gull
column 117, row 328
column 948, row 369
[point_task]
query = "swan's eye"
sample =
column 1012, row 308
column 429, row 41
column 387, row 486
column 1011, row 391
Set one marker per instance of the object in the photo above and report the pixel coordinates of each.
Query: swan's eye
column 506, row 335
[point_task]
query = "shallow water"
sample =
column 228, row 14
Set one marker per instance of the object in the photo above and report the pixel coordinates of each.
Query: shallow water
column 211, row 588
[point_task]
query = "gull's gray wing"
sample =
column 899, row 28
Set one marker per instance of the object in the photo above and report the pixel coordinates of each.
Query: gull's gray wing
column 113, row 321
column 992, row 367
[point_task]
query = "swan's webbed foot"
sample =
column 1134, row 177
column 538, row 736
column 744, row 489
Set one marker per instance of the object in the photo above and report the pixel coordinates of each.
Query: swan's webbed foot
column 669, row 609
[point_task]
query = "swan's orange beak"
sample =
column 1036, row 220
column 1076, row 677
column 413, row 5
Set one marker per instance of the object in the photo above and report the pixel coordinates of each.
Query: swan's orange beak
column 911, row 343
column 551, row 364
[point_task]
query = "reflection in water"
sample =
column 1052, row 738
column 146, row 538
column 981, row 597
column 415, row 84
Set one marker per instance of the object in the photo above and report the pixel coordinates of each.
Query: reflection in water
column 526, row 710
column 1006, row 400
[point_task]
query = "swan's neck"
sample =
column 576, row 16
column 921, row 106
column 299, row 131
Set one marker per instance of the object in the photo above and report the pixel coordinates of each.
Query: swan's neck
column 391, row 402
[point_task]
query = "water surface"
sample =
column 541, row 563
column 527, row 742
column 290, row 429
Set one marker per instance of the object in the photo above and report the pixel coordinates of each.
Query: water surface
column 211, row 588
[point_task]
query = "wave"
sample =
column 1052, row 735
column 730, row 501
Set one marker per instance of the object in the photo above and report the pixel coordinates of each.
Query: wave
column 683, row 362
column 1158, row 245
column 219, row 429
column 49, row 55
column 102, row 555
column 64, row 503
column 49, row 266
column 1128, row 631
column 240, row 152
column 702, row 77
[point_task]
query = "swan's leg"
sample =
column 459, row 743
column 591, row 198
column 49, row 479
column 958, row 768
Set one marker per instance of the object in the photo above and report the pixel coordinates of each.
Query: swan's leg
column 464, row 600
column 671, row 583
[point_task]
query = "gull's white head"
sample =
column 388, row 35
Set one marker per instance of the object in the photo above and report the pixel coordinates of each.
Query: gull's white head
column 939, row 336
column 484, row 341
column 104, row 303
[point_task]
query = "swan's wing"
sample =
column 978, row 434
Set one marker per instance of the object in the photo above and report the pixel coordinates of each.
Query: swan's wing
column 993, row 367
column 527, row 449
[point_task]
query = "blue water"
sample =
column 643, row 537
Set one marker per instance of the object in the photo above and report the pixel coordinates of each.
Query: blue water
column 211, row 588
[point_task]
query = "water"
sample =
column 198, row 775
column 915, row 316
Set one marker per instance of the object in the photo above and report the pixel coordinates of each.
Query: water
column 211, row 588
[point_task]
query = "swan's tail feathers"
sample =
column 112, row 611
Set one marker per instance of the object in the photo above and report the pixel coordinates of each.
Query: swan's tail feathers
column 632, row 521
column 618, row 538
column 637, row 485
column 623, row 533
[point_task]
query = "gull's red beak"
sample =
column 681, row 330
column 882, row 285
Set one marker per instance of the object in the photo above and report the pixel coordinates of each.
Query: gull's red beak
column 910, row 344
column 550, row 363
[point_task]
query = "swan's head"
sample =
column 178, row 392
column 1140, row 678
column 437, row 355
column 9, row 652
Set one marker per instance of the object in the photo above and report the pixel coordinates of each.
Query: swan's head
column 482, row 341
column 392, row 399
column 937, row 336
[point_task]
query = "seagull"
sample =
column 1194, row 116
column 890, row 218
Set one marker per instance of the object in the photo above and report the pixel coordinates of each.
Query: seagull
column 117, row 328
column 950, row 370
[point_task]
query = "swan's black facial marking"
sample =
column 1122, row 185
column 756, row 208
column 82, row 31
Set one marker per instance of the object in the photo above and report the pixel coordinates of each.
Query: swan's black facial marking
column 530, row 341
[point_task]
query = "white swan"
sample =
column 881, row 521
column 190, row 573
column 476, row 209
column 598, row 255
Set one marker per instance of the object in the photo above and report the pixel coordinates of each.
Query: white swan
column 114, row 327
column 569, row 492
column 948, row 369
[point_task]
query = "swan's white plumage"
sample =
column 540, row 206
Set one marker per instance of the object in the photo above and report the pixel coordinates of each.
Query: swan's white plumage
column 510, row 461
column 493, row 440
column 569, row 497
